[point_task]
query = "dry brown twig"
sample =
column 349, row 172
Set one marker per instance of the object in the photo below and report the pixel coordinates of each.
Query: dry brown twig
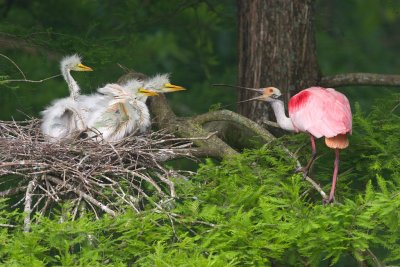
column 107, row 177
column 23, row 74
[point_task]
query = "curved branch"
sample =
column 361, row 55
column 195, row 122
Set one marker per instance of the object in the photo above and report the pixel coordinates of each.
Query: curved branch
column 227, row 115
column 166, row 118
column 370, row 79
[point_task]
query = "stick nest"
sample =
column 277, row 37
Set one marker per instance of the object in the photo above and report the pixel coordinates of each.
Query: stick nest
column 107, row 177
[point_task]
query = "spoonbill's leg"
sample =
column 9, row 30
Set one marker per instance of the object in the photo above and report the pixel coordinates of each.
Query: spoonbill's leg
column 306, row 169
column 334, row 179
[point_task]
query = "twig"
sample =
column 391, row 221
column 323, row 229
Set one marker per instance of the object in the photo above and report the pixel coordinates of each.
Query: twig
column 307, row 178
column 317, row 187
column 7, row 225
column 15, row 64
column 85, row 196
column 12, row 191
column 28, row 205
column 374, row 258
column 23, row 75
column 31, row 81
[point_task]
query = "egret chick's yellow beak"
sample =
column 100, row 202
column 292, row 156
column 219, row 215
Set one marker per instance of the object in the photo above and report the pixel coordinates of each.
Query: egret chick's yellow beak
column 81, row 67
column 172, row 88
column 147, row 92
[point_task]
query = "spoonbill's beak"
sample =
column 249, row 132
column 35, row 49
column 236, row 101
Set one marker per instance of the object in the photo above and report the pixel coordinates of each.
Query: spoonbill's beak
column 260, row 97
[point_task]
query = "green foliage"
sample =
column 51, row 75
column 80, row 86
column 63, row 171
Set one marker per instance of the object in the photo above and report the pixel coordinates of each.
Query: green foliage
column 248, row 210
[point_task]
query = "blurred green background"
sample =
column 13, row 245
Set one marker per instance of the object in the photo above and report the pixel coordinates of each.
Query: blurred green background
column 195, row 41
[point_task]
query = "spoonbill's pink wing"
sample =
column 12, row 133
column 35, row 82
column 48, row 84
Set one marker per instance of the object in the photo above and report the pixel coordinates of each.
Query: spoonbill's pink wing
column 320, row 112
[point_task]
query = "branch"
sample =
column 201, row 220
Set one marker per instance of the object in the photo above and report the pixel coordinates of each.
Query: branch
column 7, row 225
column 28, row 205
column 239, row 120
column 31, row 81
column 23, row 75
column 12, row 191
column 370, row 79
column 307, row 178
column 165, row 118
column 374, row 258
column 15, row 64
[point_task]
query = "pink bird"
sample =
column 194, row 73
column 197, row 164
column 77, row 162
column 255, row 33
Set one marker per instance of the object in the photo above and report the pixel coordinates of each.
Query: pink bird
column 321, row 112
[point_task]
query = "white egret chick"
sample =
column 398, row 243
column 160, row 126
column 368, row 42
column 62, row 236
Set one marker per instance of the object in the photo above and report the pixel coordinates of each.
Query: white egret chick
column 63, row 117
column 121, row 112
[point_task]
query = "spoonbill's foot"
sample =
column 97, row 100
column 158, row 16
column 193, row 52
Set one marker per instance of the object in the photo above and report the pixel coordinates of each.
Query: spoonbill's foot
column 304, row 170
column 327, row 201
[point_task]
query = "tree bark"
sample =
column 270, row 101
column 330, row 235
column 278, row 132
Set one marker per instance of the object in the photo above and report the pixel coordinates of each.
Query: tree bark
column 276, row 47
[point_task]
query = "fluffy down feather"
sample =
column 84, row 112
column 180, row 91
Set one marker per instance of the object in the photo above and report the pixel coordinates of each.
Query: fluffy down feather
column 61, row 119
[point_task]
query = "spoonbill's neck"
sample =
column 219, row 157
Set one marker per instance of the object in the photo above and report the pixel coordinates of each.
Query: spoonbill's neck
column 283, row 121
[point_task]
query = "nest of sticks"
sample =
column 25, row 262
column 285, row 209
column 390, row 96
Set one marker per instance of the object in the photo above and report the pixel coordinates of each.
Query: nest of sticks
column 107, row 177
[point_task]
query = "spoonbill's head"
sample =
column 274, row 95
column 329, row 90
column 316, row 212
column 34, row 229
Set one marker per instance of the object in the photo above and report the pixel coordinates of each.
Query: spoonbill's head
column 268, row 94
column 74, row 63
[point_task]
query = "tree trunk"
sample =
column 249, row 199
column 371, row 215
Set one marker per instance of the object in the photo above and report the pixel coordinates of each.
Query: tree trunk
column 276, row 47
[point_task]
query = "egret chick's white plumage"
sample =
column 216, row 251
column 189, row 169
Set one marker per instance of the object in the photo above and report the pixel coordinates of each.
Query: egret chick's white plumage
column 117, row 111
column 121, row 112
column 63, row 116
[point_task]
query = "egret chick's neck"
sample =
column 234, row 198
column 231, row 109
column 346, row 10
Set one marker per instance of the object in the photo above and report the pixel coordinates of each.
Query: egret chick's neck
column 72, row 84
column 283, row 121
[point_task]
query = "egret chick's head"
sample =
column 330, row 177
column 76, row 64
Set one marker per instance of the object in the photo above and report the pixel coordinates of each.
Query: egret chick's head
column 74, row 63
column 161, row 84
column 135, row 89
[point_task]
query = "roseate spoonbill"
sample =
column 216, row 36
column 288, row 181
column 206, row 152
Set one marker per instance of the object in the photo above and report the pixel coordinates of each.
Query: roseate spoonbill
column 120, row 110
column 63, row 117
column 321, row 112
